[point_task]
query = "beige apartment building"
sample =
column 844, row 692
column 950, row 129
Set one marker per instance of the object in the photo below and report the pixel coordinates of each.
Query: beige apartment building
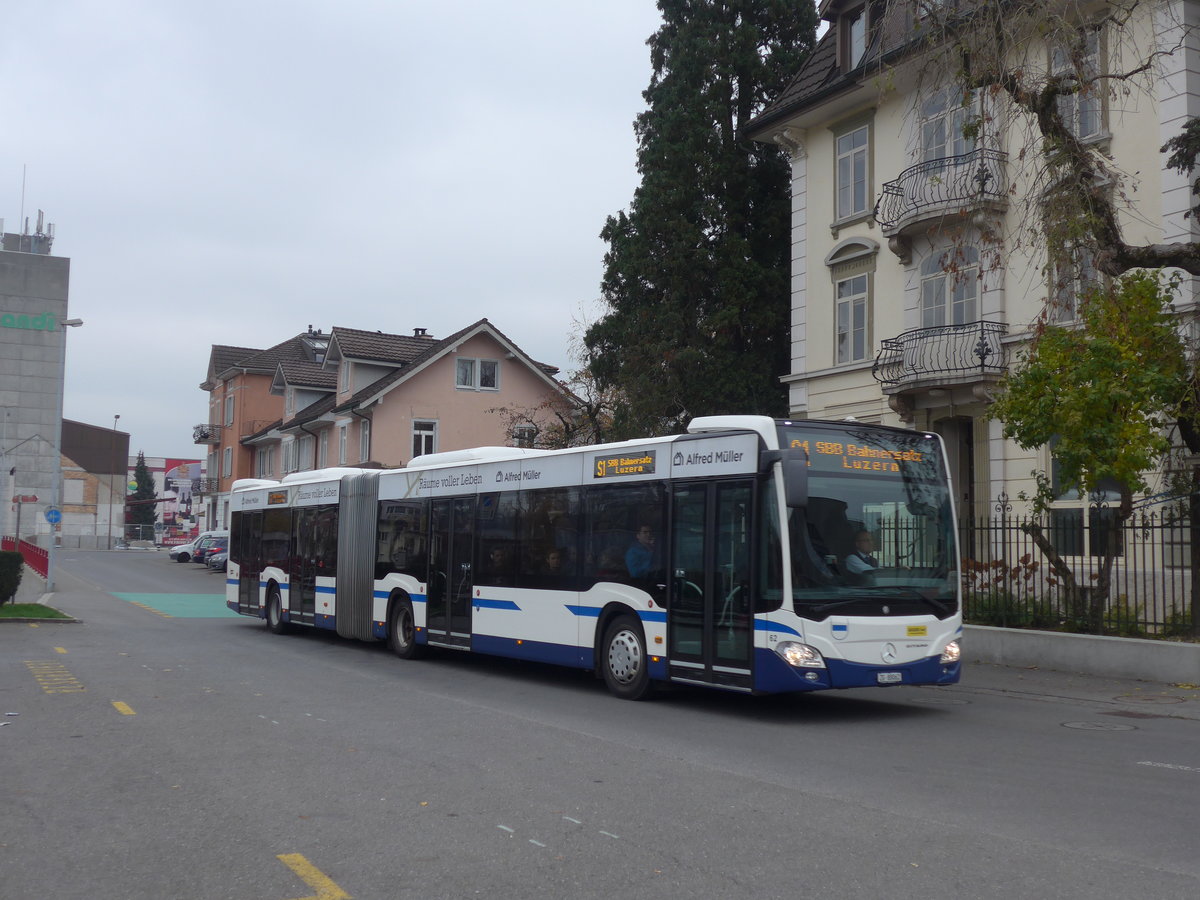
column 912, row 284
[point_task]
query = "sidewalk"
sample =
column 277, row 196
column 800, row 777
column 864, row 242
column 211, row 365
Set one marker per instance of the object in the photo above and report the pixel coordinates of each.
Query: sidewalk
column 33, row 586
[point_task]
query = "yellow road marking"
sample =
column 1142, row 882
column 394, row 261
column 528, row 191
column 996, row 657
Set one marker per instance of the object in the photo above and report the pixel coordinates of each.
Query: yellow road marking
column 34, row 625
column 123, row 708
column 313, row 877
column 53, row 677
column 60, row 649
column 157, row 612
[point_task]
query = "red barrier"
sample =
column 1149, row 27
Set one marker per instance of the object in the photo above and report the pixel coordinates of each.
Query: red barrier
column 35, row 557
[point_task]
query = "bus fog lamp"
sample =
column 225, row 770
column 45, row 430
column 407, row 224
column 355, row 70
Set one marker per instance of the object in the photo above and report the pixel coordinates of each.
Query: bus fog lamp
column 952, row 653
column 802, row 656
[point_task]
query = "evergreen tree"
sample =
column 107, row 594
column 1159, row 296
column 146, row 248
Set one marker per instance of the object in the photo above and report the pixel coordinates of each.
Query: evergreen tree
column 141, row 506
column 697, row 271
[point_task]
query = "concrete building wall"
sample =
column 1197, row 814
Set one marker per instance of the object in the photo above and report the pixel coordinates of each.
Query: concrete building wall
column 33, row 305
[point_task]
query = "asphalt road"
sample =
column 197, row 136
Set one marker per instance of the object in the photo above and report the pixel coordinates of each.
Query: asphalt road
column 164, row 749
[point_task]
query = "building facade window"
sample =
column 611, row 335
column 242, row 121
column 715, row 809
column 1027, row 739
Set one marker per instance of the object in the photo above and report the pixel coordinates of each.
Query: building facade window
column 950, row 288
column 227, row 463
column 289, row 456
column 345, row 379
column 852, row 182
column 289, row 401
column 853, row 29
column 264, row 462
column 424, row 437
column 851, row 269
column 304, row 453
column 1082, row 523
column 943, row 120
column 1071, row 278
column 342, row 445
column 1083, row 112
column 229, row 410
column 364, row 441
column 477, row 374
column 851, row 336
column 524, row 435
column 323, row 450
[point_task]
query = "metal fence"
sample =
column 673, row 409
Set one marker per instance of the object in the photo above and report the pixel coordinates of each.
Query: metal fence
column 1009, row 582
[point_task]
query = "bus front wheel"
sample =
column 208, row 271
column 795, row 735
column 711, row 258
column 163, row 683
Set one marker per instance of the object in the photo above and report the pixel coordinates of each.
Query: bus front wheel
column 623, row 659
column 275, row 612
column 402, row 631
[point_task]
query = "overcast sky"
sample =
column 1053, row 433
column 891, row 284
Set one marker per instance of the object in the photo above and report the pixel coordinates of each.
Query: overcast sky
column 233, row 171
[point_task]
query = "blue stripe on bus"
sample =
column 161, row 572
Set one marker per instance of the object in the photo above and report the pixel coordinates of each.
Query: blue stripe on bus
column 485, row 603
column 593, row 612
column 281, row 585
column 383, row 595
column 762, row 625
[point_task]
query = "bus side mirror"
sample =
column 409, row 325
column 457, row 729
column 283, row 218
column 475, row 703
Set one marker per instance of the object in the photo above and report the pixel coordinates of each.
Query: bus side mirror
column 795, row 474
column 795, row 478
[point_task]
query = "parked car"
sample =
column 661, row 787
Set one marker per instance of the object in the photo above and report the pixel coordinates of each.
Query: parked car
column 184, row 552
column 218, row 561
column 209, row 545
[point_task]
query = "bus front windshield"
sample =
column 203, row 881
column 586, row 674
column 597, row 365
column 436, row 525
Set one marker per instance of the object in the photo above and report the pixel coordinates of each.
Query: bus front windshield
column 876, row 536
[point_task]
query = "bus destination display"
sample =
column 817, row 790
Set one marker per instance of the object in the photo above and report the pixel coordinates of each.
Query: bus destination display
column 855, row 455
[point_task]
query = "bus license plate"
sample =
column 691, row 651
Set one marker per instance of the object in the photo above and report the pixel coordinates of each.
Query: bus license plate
column 889, row 677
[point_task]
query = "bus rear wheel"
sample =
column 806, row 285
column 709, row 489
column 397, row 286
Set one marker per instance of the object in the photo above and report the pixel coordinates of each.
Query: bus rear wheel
column 275, row 612
column 623, row 659
column 402, row 630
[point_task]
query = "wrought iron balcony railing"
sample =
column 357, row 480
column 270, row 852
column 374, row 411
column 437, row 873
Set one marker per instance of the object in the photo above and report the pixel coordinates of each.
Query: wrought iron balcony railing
column 938, row 186
column 206, row 434
column 208, row 486
column 945, row 354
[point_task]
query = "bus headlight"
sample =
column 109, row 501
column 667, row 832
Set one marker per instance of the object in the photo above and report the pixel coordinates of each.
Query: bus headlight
column 952, row 653
column 800, row 655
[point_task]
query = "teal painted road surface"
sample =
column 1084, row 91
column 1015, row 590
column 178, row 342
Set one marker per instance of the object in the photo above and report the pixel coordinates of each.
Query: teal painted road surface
column 182, row 606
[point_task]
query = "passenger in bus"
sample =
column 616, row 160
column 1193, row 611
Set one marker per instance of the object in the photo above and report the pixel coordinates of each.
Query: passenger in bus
column 610, row 565
column 862, row 562
column 498, row 570
column 639, row 558
column 553, row 564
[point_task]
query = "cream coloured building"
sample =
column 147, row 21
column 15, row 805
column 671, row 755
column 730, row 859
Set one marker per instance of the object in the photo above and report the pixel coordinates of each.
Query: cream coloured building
column 914, row 281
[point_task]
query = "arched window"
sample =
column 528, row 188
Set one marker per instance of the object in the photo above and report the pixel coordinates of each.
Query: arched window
column 852, row 267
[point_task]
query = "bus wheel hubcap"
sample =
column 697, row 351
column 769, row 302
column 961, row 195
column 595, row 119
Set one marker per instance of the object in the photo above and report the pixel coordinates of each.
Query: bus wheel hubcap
column 624, row 656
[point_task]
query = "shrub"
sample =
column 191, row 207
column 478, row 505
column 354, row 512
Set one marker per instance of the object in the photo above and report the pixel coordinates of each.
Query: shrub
column 11, row 563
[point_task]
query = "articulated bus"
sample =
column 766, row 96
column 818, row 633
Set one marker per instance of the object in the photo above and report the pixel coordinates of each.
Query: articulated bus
column 749, row 555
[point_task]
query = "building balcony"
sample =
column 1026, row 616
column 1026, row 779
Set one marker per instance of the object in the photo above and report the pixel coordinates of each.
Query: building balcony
column 206, row 434
column 207, row 486
column 945, row 357
column 954, row 185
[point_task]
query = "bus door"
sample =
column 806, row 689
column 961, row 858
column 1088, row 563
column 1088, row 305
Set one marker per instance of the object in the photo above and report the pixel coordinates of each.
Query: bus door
column 710, row 622
column 302, row 594
column 249, row 558
column 448, row 591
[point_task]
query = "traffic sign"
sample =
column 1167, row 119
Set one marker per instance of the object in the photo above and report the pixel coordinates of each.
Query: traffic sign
column 53, row 515
column 25, row 498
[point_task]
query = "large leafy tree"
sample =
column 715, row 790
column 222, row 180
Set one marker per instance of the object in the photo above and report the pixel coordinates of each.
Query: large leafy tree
column 696, row 280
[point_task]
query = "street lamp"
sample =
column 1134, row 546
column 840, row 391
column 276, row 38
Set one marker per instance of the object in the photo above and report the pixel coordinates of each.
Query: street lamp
column 112, row 482
column 56, row 491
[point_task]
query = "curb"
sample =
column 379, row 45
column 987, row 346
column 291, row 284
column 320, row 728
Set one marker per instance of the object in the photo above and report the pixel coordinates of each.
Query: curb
column 1169, row 662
